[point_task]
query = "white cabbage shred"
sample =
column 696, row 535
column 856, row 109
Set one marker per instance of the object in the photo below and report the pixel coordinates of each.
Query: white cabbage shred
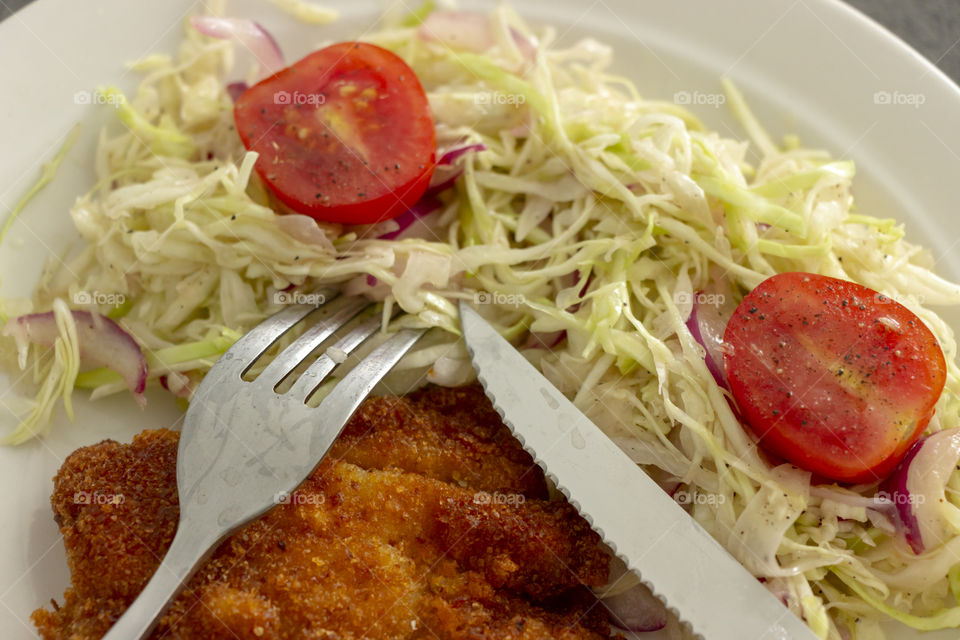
column 592, row 211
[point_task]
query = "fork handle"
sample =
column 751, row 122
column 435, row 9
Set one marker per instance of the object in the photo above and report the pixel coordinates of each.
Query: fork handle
column 190, row 547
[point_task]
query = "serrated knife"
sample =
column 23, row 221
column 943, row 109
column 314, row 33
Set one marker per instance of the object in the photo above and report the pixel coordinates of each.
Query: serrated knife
column 680, row 562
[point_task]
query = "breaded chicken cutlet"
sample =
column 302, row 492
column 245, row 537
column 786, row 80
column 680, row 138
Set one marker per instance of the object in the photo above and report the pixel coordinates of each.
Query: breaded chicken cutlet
column 426, row 520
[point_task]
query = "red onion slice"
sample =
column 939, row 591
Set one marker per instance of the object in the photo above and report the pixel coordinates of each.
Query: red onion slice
column 425, row 206
column 636, row 609
column 247, row 33
column 446, row 173
column 710, row 312
column 236, row 89
column 102, row 343
column 451, row 156
column 443, row 178
column 713, row 354
column 707, row 323
column 916, row 488
column 903, row 516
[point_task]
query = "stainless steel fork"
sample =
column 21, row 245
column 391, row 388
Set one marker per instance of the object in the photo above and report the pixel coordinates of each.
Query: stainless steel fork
column 243, row 443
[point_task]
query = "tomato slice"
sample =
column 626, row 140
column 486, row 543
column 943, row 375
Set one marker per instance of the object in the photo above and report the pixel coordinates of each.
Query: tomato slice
column 831, row 375
column 344, row 135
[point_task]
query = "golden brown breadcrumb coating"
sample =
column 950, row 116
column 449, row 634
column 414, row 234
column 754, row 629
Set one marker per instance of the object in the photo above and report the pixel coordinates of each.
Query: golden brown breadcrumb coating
column 453, row 435
column 427, row 520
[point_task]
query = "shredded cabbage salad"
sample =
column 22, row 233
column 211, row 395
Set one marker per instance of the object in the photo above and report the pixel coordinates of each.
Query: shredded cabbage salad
column 591, row 211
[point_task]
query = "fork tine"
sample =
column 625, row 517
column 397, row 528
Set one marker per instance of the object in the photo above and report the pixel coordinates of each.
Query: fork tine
column 254, row 344
column 316, row 372
column 287, row 360
column 356, row 385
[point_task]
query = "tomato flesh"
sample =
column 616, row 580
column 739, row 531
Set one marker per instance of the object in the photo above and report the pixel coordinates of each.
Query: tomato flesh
column 344, row 135
column 831, row 375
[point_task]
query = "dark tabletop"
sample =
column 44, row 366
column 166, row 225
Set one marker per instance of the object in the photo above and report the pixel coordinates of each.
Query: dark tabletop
column 932, row 27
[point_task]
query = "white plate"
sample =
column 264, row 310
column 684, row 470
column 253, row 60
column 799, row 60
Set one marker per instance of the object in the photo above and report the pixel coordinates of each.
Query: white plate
column 813, row 67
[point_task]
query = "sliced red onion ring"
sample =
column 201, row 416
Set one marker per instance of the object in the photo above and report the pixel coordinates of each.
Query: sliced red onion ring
column 707, row 326
column 446, row 173
column 236, row 89
column 636, row 609
column 102, row 343
column 916, row 488
column 247, row 33
column 443, row 178
column 451, row 155
column 904, row 519
column 425, row 206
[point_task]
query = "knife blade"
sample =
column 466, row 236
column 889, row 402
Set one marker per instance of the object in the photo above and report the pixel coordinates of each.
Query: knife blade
column 681, row 563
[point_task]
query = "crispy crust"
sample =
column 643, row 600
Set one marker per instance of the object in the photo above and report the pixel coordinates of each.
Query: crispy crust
column 425, row 521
